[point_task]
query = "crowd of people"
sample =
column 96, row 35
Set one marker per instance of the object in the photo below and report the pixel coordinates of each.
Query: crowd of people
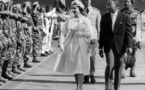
column 25, row 30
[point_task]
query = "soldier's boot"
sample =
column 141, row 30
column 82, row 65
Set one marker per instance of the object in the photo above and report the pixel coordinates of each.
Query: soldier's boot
column 3, row 80
column 92, row 79
column 16, row 70
column 132, row 73
column 5, row 70
column 27, row 65
column 7, row 76
column 20, row 68
column 86, row 79
column 35, row 60
column 11, row 73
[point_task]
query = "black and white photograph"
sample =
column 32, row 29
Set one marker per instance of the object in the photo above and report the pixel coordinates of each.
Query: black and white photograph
column 72, row 44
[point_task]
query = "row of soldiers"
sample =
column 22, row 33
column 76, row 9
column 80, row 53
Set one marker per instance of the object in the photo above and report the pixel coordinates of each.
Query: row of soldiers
column 20, row 33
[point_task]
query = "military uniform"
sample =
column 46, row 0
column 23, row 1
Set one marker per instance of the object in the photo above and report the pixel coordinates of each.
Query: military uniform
column 9, row 47
column 133, row 13
column 36, row 35
column 94, row 15
column 2, row 56
column 15, row 42
column 53, row 21
column 140, row 34
column 22, row 38
column 28, row 39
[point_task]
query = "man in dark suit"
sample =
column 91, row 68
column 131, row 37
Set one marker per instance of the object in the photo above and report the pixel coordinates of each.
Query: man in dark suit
column 115, row 36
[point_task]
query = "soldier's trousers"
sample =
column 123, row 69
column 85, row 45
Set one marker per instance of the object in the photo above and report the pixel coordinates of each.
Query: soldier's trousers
column 36, row 48
column 37, row 43
column 27, row 51
column 17, row 61
column 19, row 55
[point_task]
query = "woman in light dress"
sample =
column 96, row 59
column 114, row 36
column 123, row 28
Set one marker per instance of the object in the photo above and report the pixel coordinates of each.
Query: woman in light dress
column 75, row 44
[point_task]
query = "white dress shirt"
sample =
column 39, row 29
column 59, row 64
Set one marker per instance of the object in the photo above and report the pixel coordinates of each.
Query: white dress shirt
column 114, row 17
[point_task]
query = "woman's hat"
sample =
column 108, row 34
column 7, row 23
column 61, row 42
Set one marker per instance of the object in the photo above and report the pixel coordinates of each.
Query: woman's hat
column 78, row 3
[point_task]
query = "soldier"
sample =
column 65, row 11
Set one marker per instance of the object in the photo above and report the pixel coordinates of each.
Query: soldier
column 15, row 67
column 133, row 13
column 28, row 30
column 140, row 28
column 62, row 17
column 36, row 32
column 45, row 23
column 7, row 69
column 2, row 79
column 48, row 20
column 53, row 21
column 94, row 15
column 21, row 22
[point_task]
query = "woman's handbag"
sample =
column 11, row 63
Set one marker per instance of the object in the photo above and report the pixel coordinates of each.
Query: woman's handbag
column 129, row 61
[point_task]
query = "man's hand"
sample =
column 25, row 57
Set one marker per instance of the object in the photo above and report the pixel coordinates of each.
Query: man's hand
column 139, row 45
column 130, row 51
column 101, row 53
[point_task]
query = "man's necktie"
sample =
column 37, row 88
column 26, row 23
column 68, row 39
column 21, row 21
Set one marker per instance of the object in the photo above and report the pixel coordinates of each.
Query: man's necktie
column 87, row 10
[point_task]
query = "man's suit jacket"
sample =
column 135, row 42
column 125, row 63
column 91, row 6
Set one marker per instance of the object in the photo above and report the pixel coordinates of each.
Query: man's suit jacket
column 121, row 36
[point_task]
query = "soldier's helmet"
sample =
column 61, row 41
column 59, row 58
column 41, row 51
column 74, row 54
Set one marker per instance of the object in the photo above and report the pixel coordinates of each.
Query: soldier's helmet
column 19, row 10
column 14, row 11
column 27, row 7
column 14, row 8
column 35, row 6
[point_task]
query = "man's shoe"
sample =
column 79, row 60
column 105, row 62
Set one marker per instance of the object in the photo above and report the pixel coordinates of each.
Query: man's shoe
column 50, row 52
column 11, row 73
column 27, row 65
column 47, row 52
column 3, row 80
column 35, row 60
column 44, row 54
column 86, row 79
column 132, row 74
column 92, row 79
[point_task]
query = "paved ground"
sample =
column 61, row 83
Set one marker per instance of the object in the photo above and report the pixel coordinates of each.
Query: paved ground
column 41, row 76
